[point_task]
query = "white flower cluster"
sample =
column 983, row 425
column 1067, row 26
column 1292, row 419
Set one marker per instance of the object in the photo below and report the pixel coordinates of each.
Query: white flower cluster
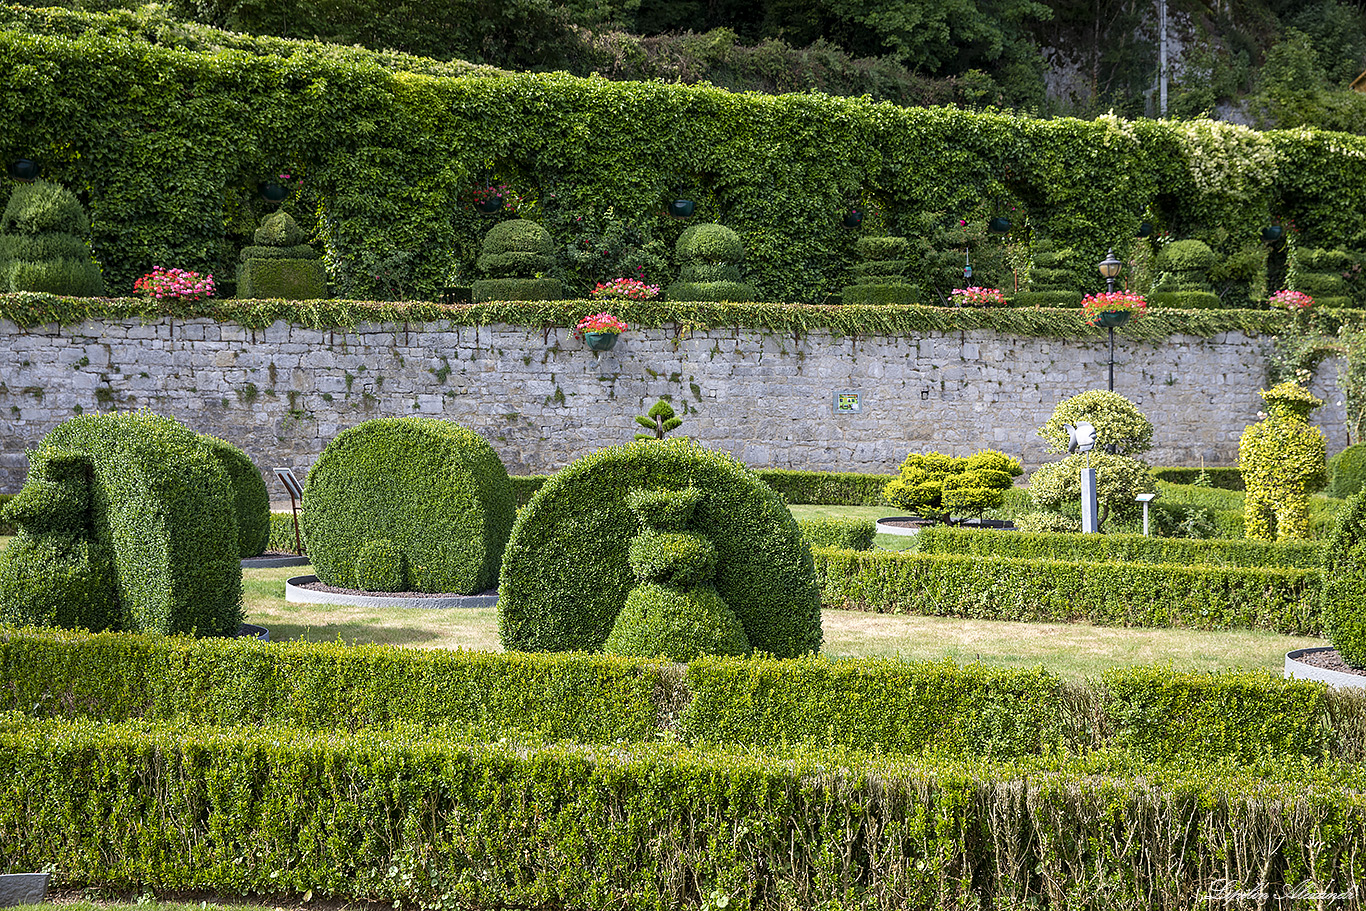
column 1228, row 159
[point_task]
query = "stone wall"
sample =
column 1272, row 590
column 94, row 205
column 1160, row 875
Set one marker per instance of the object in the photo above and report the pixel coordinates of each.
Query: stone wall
column 542, row 398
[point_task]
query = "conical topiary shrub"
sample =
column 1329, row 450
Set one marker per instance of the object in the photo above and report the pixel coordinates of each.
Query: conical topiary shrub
column 710, row 256
column 279, row 265
column 516, row 255
column 43, row 243
column 1054, row 277
column 880, row 273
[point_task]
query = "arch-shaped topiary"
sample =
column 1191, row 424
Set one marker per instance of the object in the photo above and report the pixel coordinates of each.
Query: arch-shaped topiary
column 250, row 499
column 433, row 488
column 567, row 573
column 1343, row 602
column 131, row 512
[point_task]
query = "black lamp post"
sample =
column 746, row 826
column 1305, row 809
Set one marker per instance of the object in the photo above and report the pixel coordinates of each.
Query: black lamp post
column 1109, row 270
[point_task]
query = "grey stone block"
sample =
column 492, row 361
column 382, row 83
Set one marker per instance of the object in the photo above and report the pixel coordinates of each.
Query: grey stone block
column 23, row 888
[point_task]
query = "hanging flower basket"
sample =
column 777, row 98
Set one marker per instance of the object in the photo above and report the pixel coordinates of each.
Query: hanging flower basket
column 1272, row 233
column 24, row 170
column 999, row 225
column 681, row 208
column 1112, row 309
column 853, row 219
column 600, row 330
column 600, row 341
column 490, row 205
column 273, row 192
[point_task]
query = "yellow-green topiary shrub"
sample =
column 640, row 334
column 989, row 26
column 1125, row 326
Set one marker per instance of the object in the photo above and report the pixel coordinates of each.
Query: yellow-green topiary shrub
column 935, row 485
column 1283, row 459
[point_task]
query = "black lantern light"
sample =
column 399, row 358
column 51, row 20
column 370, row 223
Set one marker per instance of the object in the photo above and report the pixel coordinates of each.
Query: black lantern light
column 1109, row 270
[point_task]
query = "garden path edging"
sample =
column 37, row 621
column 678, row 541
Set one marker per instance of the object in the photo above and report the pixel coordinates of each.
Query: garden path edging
column 296, row 593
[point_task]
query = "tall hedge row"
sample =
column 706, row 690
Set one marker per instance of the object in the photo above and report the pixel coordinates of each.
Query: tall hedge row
column 428, row 822
column 166, row 146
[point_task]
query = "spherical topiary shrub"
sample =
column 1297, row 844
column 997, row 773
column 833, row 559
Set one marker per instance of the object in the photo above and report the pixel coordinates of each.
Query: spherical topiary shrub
column 1347, row 471
column 249, row 496
column 131, row 514
column 567, row 571
column 710, row 256
column 435, row 489
column 514, row 254
column 1343, row 602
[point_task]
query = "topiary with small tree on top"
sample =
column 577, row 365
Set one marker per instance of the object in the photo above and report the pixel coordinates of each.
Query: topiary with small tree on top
column 659, row 421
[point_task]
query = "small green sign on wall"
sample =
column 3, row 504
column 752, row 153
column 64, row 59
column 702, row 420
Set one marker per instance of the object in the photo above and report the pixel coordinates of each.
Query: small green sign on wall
column 847, row 403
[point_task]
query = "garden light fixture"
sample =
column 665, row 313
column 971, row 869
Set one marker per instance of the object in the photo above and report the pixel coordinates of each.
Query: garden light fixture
column 1109, row 270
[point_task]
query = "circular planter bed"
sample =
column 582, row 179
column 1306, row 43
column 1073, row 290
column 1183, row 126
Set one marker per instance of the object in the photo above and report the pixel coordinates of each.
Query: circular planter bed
column 308, row 590
column 267, row 561
column 1324, row 665
column 902, row 525
column 252, row 631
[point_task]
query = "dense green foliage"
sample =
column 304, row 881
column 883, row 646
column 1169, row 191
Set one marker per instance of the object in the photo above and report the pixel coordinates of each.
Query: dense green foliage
column 388, row 161
column 1223, row 477
column 1282, row 458
column 836, row 488
column 852, row 534
column 43, row 244
column 1285, row 600
column 435, row 489
column 360, row 817
column 566, row 572
column 934, row 485
column 515, row 256
column 131, row 516
column 1344, row 583
column 1119, row 548
column 282, row 534
column 1117, row 420
column 249, row 497
column 864, row 704
column 709, row 257
column 1347, row 471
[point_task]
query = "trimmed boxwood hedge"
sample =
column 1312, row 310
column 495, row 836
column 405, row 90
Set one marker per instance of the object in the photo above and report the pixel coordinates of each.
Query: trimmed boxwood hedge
column 434, row 488
column 1226, row 477
column 1344, row 582
column 762, row 702
column 566, row 572
column 160, row 506
column 853, row 534
column 407, row 819
column 1119, row 548
column 249, row 497
column 1108, row 594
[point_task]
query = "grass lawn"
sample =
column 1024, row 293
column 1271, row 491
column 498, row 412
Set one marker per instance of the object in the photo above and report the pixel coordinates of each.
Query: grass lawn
column 1071, row 650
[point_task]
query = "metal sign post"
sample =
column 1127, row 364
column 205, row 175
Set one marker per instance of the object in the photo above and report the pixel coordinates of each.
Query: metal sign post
column 296, row 493
column 1083, row 438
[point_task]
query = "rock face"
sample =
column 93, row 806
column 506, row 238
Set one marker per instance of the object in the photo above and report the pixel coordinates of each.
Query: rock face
column 279, row 265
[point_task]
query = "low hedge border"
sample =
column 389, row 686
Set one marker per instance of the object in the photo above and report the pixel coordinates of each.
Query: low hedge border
column 30, row 309
column 444, row 823
column 867, row 704
column 1223, row 477
column 1108, row 594
column 282, row 538
column 1120, row 548
column 817, row 488
column 853, row 534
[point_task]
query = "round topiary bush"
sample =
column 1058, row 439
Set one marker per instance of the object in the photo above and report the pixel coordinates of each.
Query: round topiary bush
column 381, row 567
column 1347, row 471
column 435, row 489
column 250, row 499
column 709, row 243
column 1117, row 420
column 1343, row 603
column 567, row 573
column 132, row 516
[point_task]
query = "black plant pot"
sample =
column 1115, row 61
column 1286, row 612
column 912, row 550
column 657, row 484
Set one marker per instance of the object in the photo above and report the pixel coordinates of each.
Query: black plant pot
column 25, row 169
column 273, row 192
column 853, row 219
column 490, row 205
column 1144, row 230
column 1272, row 233
column 681, row 208
column 999, row 225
